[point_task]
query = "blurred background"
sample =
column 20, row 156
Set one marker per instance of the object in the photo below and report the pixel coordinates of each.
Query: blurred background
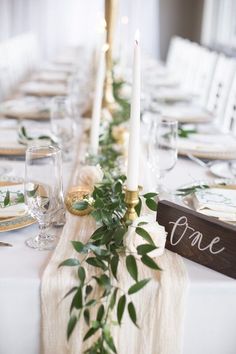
column 70, row 22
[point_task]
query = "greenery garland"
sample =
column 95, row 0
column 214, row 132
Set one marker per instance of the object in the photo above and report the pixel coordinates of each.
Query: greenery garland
column 105, row 248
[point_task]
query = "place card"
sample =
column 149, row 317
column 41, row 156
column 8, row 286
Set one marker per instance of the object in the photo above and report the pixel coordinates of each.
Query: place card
column 198, row 237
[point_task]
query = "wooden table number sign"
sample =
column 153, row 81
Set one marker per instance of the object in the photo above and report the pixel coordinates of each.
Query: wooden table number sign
column 200, row 238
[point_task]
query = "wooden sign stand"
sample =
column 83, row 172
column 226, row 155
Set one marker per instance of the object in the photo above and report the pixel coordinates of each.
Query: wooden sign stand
column 200, row 238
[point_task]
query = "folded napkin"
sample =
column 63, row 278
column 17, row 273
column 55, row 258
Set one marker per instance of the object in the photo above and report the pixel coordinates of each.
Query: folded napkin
column 43, row 88
column 50, row 76
column 207, row 142
column 14, row 209
column 217, row 202
column 24, row 106
column 186, row 113
column 173, row 94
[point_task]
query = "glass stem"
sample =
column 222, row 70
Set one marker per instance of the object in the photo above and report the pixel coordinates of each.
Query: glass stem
column 42, row 231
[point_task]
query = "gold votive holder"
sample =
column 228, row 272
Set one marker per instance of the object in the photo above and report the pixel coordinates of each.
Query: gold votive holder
column 77, row 194
column 131, row 200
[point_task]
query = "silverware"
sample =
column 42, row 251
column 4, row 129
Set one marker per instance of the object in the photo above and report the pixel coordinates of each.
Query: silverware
column 208, row 163
column 3, row 244
column 200, row 162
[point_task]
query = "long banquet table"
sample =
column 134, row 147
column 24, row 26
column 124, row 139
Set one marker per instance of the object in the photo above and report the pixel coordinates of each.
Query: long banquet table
column 210, row 318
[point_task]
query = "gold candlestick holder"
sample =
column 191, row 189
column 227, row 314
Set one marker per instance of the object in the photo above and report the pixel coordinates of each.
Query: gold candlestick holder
column 131, row 200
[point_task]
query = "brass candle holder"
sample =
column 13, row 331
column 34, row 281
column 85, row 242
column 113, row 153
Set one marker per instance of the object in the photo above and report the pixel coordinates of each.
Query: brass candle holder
column 131, row 200
column 77, row 194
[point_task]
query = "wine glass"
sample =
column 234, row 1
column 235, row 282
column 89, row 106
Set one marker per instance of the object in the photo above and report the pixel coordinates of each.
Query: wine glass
column 162, row 150
column 43, row 190
column 62, row 124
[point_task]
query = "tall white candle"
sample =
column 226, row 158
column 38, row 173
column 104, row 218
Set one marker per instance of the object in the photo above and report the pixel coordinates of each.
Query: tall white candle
column 97, row 102
column 134, row 126
column 123, row 42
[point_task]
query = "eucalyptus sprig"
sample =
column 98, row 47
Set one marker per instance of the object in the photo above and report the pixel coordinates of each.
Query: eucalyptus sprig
column 24, row 137
column 103, row 251
column 11, row 198
column 185, row 133
column 105, row 248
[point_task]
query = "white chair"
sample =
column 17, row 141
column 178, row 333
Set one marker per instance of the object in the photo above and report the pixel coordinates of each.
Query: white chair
column 220, row 88
column 229, row 119
column 204, row 75
column 19, row 57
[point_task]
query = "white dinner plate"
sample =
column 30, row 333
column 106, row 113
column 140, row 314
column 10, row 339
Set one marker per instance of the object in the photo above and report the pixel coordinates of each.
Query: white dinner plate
column 224, row 169
column 209, row 146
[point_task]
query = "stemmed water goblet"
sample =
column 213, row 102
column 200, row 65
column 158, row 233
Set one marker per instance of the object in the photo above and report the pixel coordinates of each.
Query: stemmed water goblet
column 162, row 151
column 62, row 125
column 43, row 190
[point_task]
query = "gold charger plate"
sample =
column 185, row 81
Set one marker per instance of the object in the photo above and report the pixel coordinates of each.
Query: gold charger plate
column 16, row 222
column 13, row 151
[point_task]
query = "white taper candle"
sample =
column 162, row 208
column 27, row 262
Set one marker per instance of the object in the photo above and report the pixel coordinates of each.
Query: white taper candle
column 134, row 125
column 97, row 102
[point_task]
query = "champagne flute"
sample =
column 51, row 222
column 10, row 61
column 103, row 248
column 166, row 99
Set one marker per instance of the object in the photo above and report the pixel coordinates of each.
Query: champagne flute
column 162, row 151
column 43, row 190
column 62, row 124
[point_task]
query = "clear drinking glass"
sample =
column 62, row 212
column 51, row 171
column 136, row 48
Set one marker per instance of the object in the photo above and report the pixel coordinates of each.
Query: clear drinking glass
column 43, row 190
column 62, row 124
column 162, row 150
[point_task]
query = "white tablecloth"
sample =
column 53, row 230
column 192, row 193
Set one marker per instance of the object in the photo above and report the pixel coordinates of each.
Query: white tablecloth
column 211, row 307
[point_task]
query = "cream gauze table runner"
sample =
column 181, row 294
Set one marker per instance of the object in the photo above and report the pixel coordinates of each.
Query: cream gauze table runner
column 159, row 305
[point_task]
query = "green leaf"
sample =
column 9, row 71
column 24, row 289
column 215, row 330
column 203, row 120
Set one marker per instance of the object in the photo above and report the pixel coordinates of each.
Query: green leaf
column 33, row 192
column 90, row 333
column 145, row 235
column 132, row 313
column 70, row 262
column 88, row 290
column 71, row 325
column 149, row 262
column 138, row 207
column 119, row 235
column 97, row 235
column 149, row 195
column 96, row 324
column 113, row 298
column 146, row 248
column 77, row 301
column 110, row 342
column 151, row 204
column 7, row 199
column 121, row 308
column 81, row 274
column 93, row 261
column 91, row 302
column 80, row 205
column 20, row 198
column 132, row 267
column 78, row 246
column 105, row 281
column 100, row 313
column 98, row 250
column 72, row 290
column 138, row 286
column 114, row 265
column 142, row 223
column 87, row 316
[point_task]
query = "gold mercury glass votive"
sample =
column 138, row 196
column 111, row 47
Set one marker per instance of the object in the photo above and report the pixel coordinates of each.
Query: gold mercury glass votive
column 77, row 194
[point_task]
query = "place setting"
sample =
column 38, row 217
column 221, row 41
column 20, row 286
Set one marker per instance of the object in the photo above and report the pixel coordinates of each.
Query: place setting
column 30, row 107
